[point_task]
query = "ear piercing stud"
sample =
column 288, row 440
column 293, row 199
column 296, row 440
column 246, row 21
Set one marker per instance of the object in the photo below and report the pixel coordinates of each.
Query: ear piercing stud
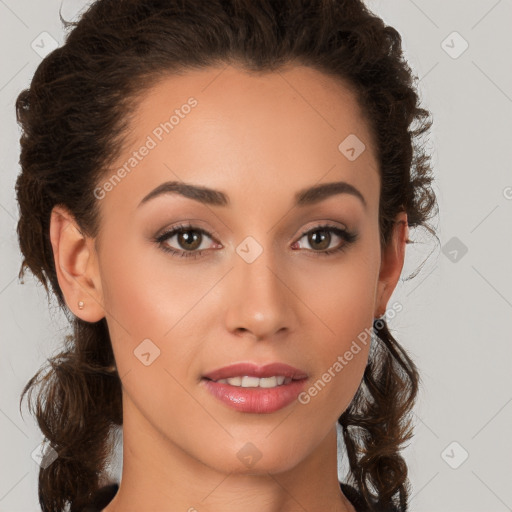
column 81, row 304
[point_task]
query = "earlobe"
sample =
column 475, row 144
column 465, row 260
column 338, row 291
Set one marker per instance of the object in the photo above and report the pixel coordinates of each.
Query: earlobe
column 76, row 266
column 392, row 262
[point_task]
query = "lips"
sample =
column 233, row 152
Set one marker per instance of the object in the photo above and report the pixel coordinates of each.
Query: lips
column 253, row 370
column 247, row 394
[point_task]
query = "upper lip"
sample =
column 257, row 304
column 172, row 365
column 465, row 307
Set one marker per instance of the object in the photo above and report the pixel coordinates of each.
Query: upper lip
column 255, row 370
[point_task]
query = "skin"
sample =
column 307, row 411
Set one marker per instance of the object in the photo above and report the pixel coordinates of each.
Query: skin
column 259, row 139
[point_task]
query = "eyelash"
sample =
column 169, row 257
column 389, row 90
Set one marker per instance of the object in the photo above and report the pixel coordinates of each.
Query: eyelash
column 347, row 236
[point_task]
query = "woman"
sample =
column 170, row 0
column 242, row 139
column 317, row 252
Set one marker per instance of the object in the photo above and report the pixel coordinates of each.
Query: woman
column 219, row 196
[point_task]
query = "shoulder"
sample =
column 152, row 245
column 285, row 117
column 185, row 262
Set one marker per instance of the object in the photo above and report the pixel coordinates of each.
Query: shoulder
column 357, row 501
column 101, row 499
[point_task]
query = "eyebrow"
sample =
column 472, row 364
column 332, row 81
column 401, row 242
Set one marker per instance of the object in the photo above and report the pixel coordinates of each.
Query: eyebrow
column 305, row 197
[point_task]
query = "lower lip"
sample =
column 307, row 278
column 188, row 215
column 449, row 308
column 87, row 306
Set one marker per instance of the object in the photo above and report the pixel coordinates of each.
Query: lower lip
column 256, row 400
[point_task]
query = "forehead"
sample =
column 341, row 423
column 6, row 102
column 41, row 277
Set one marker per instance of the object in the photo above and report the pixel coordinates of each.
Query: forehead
column 228, row 129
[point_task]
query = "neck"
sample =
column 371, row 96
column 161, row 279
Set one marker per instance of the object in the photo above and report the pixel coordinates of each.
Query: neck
column 159, row 475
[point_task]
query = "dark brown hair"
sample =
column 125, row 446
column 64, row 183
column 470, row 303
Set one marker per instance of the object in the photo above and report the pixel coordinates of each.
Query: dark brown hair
column 75, row 117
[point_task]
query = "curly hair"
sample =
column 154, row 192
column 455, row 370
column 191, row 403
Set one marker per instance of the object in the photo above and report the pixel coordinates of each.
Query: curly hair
column 74, row 118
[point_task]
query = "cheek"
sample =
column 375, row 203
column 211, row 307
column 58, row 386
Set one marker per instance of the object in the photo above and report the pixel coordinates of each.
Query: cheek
column 344, row 308
column 148, row 302
column 145, row 290
column 343, row 297
column 138, row 304
column 155, row 304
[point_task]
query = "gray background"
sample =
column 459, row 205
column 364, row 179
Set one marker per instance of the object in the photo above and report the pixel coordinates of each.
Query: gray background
column 456, row 313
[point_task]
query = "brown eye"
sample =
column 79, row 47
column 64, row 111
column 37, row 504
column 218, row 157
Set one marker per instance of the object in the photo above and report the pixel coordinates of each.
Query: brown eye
column 320, row 238
column 320, row 242
column 189, row 239
column 188, row 243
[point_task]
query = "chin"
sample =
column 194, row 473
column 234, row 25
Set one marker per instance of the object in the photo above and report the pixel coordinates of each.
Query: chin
column 259, row 457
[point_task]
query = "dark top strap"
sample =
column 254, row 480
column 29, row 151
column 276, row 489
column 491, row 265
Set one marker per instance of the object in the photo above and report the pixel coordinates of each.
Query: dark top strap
column 358, row 502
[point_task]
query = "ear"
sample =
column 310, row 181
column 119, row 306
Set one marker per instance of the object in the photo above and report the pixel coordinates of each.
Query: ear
column 76, row 266
column 392, row 262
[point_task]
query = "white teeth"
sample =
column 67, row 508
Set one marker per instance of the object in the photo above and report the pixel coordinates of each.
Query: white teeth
column 254, row 382
column 250, row 382
column 268, row 382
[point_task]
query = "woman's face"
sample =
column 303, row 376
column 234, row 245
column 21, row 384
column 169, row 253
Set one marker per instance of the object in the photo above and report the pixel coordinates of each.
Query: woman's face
column 245, row 284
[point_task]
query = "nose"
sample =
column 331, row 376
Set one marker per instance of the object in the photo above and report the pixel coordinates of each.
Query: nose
column 260, row 301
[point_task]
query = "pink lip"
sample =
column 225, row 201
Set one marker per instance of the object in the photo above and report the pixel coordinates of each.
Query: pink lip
column 253, row 370
column 255, row 400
